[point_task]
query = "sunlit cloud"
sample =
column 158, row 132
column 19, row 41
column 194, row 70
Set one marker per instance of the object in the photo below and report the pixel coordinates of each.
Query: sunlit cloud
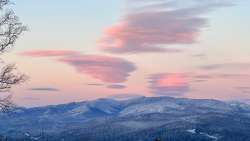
column 104, row 68
column 169, row 84
column 150, row 25
column 178, row 84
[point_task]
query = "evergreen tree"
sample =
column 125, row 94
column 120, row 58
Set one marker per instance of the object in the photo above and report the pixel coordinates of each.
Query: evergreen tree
column 158, row 139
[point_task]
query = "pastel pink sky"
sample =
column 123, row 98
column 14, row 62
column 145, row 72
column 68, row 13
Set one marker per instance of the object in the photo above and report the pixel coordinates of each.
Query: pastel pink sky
column 75, row 51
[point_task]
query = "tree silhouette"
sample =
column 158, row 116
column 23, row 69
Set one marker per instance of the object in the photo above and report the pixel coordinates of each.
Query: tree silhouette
column 10, row 29
column 157, row 139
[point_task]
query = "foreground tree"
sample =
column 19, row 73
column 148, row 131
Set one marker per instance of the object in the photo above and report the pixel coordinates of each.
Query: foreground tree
column 158, row 139
column 10, row 29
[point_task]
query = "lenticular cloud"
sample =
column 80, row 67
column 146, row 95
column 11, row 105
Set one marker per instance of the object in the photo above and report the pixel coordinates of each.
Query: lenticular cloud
column 104, row 68
column 149, row 25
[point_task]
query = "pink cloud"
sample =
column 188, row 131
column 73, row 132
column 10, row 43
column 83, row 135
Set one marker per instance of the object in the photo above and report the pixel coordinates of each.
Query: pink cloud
column 104, row 68
column 49, row 53
column 170, row 84
column 178, row 84
column 152, row 24
column 169, row 80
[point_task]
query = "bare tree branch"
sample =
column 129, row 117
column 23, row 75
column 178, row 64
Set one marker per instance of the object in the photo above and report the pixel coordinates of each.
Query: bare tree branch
column 8, row 78
column 3, row 3
column 6, row 104
column 10, row 29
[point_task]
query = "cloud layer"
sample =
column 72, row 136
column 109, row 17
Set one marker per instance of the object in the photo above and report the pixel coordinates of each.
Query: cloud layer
column 151, row 24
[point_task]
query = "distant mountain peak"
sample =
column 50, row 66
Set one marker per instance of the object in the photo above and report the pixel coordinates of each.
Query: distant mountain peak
column 128, row 117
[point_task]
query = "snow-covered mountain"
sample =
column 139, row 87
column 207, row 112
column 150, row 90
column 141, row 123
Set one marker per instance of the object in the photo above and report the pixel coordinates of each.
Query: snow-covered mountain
column 107, row 119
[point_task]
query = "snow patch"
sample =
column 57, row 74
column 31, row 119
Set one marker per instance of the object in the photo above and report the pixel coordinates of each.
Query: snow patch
column 210, row 136
column 147, row 108
column 79, row 110
column 192, row 131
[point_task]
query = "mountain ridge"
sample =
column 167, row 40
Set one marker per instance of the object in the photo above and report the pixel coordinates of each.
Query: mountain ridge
column 122, row 120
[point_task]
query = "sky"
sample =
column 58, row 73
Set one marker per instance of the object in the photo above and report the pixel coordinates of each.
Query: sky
column 83, row 50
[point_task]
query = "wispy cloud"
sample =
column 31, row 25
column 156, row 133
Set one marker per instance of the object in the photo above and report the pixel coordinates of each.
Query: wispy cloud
column 208, row 76
column 116, row 86
column 31, row 98
column 151, row 24
column 226, row 66
column 244, row 89
column 95, row 84
column 205, row 77
column 44, row 89
column 49, row 53
column 198, row 55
